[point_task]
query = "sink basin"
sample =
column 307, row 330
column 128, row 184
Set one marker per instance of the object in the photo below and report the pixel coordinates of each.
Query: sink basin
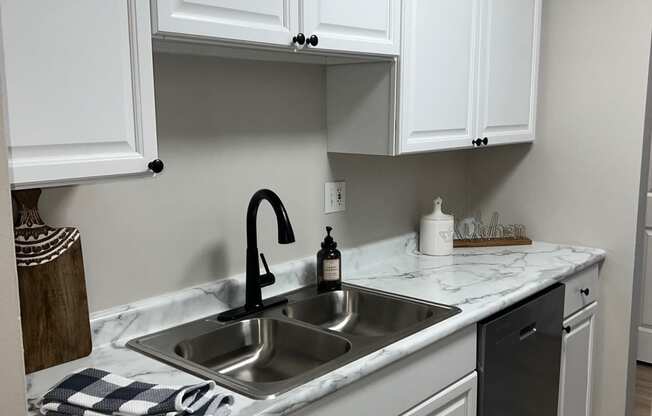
column 262, row 350
column 283, row 347
column 359, row 313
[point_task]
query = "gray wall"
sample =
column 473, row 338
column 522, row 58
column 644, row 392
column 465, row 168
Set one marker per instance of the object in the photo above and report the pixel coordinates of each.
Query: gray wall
column 227, row 128
column 579, row 182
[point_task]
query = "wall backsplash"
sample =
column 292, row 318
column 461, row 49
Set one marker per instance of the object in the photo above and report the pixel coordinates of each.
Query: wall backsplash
column 227, row 128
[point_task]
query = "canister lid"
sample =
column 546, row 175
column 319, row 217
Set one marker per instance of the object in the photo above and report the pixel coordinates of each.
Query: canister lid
column 437, row 214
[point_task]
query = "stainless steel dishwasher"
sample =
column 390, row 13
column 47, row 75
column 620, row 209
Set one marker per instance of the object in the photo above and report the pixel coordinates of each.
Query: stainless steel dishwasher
column 519, row 353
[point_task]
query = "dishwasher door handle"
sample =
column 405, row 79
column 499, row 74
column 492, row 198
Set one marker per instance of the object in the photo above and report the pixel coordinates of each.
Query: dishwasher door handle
column 528, row 331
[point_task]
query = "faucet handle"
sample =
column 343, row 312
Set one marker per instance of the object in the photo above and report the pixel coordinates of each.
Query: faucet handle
column 262, row 257
column 268, row 278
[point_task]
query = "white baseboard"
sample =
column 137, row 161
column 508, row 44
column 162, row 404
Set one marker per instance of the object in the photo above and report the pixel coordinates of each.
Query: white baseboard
column 644, row 344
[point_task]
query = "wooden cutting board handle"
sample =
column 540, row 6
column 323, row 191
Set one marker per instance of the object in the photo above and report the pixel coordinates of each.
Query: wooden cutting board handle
column 53, row 302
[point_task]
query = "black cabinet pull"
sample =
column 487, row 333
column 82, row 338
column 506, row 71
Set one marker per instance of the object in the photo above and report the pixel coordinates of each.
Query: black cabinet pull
column 567, row 329
column 313, row 40
column 156, row 166
column 480, row 142
column 585, row 292
column 299, row 39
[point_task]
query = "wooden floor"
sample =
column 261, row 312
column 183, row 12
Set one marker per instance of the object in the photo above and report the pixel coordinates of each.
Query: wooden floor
column 643, row 390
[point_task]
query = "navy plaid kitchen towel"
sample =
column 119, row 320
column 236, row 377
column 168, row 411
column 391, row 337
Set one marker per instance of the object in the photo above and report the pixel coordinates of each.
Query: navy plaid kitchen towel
column 93, row 392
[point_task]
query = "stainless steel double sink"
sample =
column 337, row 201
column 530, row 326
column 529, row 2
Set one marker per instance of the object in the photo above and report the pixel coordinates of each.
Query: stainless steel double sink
column 271, row 352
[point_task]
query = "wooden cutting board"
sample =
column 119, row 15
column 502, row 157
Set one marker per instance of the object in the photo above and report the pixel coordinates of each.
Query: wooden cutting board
column 53, row 303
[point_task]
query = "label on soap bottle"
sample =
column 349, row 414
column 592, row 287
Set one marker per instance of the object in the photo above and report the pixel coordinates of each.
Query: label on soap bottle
column 332, row 269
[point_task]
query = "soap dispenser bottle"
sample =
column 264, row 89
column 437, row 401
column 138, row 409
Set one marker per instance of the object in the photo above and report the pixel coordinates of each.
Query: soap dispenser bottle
column 329, row 265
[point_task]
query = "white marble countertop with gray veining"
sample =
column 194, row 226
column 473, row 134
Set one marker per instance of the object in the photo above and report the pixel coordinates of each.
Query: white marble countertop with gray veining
column 480, row 281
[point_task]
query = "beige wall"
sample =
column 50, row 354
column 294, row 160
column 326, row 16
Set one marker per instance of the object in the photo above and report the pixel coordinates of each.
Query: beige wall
column 12, row 381
column 227, row 128
column 579, row 182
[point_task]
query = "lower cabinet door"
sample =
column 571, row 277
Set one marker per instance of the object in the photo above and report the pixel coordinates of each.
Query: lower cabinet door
column 577, row 362
column 457, row 400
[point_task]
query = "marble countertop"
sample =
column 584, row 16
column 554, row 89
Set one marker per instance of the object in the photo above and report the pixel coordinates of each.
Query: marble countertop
column 480, row 281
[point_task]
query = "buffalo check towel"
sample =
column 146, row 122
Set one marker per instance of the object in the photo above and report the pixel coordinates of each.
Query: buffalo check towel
column 93, row 392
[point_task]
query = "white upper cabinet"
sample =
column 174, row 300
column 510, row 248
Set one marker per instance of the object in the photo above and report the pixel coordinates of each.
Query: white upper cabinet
column 361, row 27
column 438, row 74
column 365, row 26
column 79, row 89
column 509, row 52
column 467, row 77
column 272, row 22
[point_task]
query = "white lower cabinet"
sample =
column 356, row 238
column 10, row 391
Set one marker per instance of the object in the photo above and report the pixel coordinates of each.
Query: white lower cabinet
column 457, row 400
column 577, row 363
column 644, row 352
column 438, row 380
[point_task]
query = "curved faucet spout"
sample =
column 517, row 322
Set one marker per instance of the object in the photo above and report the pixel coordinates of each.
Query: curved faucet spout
column 285, row 232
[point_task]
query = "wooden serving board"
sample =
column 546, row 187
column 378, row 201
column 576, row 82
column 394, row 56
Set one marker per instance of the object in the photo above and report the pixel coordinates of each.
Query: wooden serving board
column 492, row 242
column 52, row 288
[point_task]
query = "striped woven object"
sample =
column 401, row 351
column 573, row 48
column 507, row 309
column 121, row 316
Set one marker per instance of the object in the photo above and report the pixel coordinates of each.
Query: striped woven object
column 93, row 392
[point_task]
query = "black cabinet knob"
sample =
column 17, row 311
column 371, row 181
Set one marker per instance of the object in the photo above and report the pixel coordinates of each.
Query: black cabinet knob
column 585, row 292
column 485, row 141
column 313, row 40
column 567, row 329
column 476, row 142
column 299, row 39
column 156, row 165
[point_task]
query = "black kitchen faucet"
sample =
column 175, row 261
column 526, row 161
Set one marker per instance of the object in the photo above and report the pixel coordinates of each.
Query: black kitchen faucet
column 255, row 281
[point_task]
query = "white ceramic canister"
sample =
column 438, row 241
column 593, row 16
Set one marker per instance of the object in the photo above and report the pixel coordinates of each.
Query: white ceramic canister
column 436, row 236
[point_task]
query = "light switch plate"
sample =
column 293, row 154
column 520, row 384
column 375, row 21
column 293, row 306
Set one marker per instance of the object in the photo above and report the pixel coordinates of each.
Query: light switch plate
column 334, row 197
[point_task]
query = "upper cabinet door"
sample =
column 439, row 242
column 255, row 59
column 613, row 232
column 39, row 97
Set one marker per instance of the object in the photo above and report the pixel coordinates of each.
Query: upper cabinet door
column 508, row 75
column 364, row 26
column 438, row 75
column 272, row 22
column 79, row 89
